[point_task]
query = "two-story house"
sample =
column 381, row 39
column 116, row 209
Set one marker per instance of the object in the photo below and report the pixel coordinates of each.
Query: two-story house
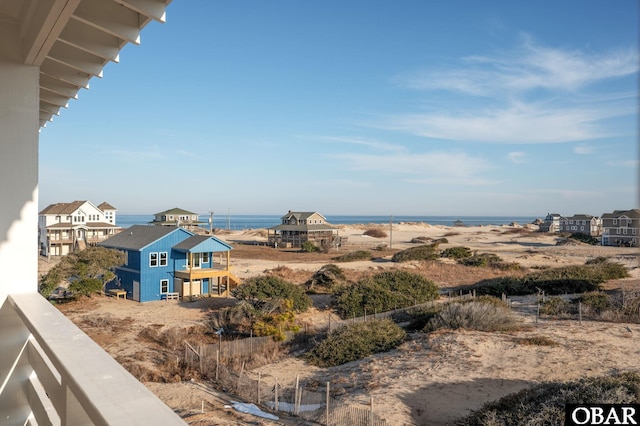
column 170, row 261
column 581, row 224
column 297, row 228
column 621, row 228
column 66, row 227
column 177, row 217
column 551, row 223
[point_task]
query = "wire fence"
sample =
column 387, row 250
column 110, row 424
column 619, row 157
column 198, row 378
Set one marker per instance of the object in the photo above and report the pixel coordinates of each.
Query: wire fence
column 305, row 400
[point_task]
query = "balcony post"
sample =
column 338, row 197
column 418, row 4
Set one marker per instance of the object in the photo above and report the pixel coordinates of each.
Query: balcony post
column 19, row 105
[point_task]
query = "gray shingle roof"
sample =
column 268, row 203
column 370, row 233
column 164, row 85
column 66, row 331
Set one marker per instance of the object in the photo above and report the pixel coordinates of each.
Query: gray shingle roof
column 137, row 237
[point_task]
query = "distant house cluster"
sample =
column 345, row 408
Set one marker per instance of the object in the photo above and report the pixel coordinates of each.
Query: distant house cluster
column 619, row 228
column 67, row 227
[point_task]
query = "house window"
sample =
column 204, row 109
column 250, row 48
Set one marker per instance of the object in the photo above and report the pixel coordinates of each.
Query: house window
column 615, row 221
column 153, row 259
column 618, row 231
column 163, row 258
column 624, row 231
column 633, row 231
column 164, row 286
column 582, row 228
column 195, row 258
column 205, row 257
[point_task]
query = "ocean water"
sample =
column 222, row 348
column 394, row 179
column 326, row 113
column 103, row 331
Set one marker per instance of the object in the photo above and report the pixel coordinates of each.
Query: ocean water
column 240, row 222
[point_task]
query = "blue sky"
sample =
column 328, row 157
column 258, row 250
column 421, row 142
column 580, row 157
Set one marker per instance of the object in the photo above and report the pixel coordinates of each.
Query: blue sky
column 360, row 107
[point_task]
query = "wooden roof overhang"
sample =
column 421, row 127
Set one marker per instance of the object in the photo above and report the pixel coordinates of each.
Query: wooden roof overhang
column 71, row 41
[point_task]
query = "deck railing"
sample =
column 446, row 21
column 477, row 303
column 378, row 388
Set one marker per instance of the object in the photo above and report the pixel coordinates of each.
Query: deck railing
column 51, row 373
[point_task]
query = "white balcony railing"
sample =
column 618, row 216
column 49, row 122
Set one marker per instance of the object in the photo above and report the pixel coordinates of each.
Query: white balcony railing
column 51, row 373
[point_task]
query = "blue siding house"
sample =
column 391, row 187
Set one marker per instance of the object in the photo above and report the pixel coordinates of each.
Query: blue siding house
column 171, row 262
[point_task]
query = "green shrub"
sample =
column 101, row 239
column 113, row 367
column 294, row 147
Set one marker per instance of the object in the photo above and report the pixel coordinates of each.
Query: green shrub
column 86, row 286
column 355, row 342
column 596, row 302
column 383, row 292
column 474, row 315
column 456, row 252
column 563, row 280
column 309, row 247
column 375, row 232
column 420, row 240
column 84, row 268
column 424, row 252
column 555, row 306
column 326, row 277
column 488, row 260
column 266, row 288
column 585, row 239
column 544, row 404
column 417, row 318
column 353, row 256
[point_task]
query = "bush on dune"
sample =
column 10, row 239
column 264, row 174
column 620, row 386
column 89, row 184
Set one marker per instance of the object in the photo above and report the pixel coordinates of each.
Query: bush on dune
column 383, row 292
column 567, row 279
column 424, row 252
column 355, row 342
column 483, row 314
column 544, row 403
column 261, row 290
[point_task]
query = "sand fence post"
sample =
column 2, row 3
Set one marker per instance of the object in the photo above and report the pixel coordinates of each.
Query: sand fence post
column 580, row 312
column 217, row 363
column 371, row 411
column 276, row 395
column 538, row 312
column 258, row 390
column 240, row 378
column 327, row 407
column 296, row 407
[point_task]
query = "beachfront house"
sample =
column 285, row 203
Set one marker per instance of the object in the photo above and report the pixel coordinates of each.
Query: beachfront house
column 67, row 227
column 177, row 217
column 621, row 228
column 551, row 223
column 50, row 371
column 581, row 224
column 171, row 262
column 296, row 228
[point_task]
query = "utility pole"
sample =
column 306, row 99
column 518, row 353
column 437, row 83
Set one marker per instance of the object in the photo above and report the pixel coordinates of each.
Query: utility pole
column 391, row 232
column 211, row 222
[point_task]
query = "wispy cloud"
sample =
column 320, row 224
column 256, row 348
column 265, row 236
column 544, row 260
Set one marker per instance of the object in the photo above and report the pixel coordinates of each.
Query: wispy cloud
column 528, row 67
column 152, row 153
column 532, row 94
column 624, row 163
column 517, row 124
column 426, row 165
column 341, row 183
column 355, row 140
column 516, row 157
column 189, row 154
column 583, row 149
column 570, row 193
